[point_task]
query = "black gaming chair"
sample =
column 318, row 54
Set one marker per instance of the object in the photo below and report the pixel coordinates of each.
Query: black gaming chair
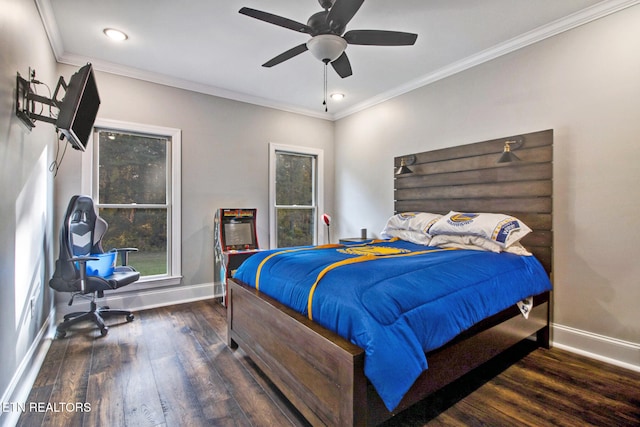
column 80, row 237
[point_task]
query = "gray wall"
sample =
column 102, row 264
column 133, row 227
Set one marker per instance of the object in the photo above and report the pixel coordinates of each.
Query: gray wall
column 225, row 148
column 584, row 84
column 26, row 191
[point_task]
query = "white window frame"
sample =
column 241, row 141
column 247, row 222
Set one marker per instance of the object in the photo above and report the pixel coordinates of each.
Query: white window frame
column 90, row 186
column 318, row 153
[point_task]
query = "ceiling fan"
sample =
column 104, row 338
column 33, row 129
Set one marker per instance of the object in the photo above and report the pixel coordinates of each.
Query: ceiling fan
column 328, row 39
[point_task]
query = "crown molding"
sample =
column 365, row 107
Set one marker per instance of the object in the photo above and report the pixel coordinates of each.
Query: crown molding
column 51, row 27
column 597, row 11
column 592, row 13
column 162, row 79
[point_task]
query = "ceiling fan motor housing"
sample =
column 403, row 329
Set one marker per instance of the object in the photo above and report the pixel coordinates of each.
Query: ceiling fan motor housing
column 318, row 23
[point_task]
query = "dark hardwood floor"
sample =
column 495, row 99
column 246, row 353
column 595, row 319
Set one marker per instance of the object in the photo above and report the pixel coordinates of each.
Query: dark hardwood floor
column 171, row 367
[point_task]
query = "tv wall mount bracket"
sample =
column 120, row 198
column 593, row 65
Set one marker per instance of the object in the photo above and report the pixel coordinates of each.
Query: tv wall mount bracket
column 27, row 101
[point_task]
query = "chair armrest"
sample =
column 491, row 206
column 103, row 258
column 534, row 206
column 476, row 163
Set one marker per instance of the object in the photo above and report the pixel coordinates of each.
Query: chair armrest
column 82, row 260
column 124, row 254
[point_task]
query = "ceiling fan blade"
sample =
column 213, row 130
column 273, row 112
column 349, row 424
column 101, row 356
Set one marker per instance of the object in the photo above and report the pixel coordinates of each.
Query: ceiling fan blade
column 341, row 13
column 286, row 55
column 342, row 66
column 276, row 20
column 380, row 38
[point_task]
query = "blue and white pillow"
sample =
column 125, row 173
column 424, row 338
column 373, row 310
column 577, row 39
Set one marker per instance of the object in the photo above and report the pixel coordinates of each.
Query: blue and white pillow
column 503, row 230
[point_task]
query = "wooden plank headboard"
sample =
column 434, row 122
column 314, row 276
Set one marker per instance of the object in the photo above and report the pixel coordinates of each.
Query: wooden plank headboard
column 468, row 178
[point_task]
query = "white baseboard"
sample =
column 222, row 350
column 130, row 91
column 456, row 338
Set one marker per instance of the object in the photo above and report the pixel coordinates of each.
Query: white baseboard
column 606, row 349
column 143, row 299
column 25, row 376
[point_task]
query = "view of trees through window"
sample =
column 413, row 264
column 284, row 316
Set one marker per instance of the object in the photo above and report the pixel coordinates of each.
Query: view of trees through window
column 295, row 199
column 132, row 197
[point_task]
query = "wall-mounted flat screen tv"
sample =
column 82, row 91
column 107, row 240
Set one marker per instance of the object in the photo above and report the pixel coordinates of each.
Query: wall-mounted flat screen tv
column 79, row 108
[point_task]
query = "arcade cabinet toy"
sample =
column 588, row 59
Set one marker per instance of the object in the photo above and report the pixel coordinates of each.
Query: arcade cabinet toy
column 235, row 240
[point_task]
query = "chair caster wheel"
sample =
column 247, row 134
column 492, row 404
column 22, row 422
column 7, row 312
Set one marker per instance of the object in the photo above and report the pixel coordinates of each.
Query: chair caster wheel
column 103, row 331
column 130, row 317
column 60, row 334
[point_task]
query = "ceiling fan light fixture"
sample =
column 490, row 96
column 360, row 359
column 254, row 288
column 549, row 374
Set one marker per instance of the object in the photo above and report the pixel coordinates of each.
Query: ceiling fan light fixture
column 327, row 47
column 337, row 96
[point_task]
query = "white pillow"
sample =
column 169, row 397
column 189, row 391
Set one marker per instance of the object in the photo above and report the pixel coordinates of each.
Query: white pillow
column 501, row 229
column 477, row 243
column 466, row 241
column 408, row 235
column 418, row 222
column 518, row 249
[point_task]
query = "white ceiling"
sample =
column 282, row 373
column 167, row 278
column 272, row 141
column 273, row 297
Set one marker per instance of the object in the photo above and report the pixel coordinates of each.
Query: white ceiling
column 207, row 46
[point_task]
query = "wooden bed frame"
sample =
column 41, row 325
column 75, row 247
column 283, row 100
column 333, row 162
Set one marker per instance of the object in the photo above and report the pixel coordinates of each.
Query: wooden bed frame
column 322, row 374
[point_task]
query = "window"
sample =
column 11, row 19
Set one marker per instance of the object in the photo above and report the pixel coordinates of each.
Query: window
column 296, row 195
column 133, row 176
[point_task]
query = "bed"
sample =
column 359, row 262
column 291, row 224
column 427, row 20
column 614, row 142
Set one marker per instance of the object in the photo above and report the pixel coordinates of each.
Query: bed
column 323, row 375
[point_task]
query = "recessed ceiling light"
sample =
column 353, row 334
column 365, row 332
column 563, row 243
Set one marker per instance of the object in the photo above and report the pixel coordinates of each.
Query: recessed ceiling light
column 114, row 34
column 337, row 96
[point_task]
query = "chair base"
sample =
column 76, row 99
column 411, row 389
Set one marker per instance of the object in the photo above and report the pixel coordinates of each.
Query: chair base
column 95, row 315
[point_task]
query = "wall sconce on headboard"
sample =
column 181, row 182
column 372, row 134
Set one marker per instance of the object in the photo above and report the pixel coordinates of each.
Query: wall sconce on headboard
column 405, row 162
column 509, row 146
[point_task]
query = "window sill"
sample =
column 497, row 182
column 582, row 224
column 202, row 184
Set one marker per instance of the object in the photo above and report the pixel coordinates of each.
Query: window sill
column 151, row 282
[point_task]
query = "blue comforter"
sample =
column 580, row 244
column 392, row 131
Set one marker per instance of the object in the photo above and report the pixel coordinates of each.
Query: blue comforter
column 395, row 299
